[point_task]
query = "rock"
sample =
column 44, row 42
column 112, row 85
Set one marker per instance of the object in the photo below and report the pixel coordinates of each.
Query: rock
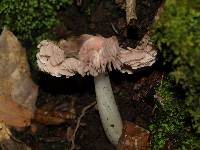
column 18, row 93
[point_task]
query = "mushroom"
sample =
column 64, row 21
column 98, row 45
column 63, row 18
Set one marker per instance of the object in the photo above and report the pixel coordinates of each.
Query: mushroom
column 96, row 56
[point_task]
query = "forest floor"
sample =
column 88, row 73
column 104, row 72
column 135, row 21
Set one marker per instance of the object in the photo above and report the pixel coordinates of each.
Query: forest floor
column 131, row 91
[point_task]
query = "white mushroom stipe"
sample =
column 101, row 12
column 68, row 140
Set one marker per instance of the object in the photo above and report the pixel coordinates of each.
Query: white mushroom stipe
column 107, row 107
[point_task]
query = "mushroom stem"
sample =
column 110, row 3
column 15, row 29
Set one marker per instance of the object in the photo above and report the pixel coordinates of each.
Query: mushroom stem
column 109, row 113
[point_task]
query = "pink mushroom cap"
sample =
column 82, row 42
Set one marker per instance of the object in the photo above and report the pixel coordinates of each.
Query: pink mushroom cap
column 92, row 55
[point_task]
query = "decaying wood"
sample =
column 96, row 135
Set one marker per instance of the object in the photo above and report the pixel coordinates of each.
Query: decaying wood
column 130, row 7
column 7, row 142
column 121, row 3
column 130, row 10
column 18, row 93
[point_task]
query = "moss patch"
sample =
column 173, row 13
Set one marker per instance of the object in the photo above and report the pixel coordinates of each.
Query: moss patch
column 31, row 20
column 177, row 37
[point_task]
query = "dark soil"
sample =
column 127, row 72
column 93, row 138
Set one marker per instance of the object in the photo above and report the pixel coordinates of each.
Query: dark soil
column 97, row 17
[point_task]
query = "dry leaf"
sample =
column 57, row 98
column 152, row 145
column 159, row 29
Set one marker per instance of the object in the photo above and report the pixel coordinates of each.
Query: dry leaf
column 133, row 137
column 7, row 142
column 18, row 93
column 49, row 114
column 14, row 114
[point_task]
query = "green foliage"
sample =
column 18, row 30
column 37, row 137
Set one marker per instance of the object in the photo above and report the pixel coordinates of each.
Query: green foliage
column 177, row 35
column 169, row 122
column 29, row 19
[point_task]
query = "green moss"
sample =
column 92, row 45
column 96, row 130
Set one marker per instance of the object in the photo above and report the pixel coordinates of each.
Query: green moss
column 177, row 36
column 169, row 121
column 30, row 19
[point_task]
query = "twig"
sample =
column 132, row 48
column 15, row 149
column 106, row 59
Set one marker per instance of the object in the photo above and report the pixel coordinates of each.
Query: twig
column 114, row 29
column 78, row 123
